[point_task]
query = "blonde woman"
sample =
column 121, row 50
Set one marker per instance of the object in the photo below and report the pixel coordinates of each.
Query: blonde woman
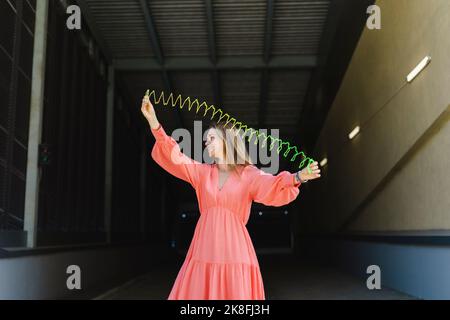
column 221, row 262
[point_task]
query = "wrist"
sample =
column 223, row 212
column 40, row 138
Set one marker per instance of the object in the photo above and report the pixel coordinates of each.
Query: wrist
column 294, row 177
column 299, row 178
column 154, row 124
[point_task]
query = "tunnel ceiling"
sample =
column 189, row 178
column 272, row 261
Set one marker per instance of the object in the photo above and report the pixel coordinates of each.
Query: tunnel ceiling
column 260, row 61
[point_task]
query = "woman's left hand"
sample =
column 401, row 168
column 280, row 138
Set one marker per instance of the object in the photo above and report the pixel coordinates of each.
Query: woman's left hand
column 312, row 173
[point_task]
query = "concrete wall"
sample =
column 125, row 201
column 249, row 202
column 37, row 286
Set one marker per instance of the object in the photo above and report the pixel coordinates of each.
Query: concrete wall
column 393, row 115
column 420, row 271
column 43, row 276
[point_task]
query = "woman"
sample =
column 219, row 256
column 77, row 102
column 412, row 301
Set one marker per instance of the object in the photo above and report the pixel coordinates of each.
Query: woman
column 221, row 261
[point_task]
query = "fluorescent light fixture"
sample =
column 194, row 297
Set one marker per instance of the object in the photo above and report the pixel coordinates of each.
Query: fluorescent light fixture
column 422, row 64
column 323, row 162
column 354, row 132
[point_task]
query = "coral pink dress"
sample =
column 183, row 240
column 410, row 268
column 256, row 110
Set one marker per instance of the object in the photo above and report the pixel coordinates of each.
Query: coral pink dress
column 221, row 262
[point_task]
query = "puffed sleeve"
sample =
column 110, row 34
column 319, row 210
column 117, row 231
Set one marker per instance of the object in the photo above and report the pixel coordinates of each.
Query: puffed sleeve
column 166, row 152
column 272, row 190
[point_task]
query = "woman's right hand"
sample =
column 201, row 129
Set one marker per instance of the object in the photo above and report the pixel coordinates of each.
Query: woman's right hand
column 149, row 112
column 147, row 109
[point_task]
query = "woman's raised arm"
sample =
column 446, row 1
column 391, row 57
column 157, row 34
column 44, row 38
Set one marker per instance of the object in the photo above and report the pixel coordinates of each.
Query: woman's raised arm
column 166, row 151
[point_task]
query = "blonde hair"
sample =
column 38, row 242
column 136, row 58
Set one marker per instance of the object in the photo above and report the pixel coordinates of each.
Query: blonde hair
column 234, row 149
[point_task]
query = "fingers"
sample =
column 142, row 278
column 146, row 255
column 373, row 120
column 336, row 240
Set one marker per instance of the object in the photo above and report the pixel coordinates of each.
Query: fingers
column 146, row 104
column 314, row 170
column 147, row 108
column 145, row 100
column 315, row 175
column 314, row 166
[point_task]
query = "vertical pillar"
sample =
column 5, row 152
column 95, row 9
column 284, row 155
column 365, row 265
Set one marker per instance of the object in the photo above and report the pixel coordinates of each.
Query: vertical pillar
column 143, row 185
column 163, row 228
column 35, row 125
column 108, row 151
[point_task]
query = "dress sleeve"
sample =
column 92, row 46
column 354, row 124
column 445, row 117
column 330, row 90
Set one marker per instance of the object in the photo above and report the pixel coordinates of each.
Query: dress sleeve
column 273, row 190
column 166, row 152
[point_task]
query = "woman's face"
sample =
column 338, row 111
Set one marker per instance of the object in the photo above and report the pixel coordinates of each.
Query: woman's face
column 214, row 144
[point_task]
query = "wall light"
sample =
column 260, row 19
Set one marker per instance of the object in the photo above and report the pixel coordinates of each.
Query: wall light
column 422, row 64
column 354, row 132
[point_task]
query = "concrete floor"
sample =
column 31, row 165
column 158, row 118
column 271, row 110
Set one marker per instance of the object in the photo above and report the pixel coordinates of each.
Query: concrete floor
column 285, row 278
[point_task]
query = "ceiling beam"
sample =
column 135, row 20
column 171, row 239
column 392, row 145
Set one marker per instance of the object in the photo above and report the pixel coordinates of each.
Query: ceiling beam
column 212, row 54
column 86, row 12
column 211, row 33
column 269, row 31
column 154, row 40
column 156, row 47
column 264, row 86
column 226, row 63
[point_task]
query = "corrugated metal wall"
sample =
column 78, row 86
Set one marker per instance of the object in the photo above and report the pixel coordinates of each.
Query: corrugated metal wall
column 16, row 52
column 72, row 183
